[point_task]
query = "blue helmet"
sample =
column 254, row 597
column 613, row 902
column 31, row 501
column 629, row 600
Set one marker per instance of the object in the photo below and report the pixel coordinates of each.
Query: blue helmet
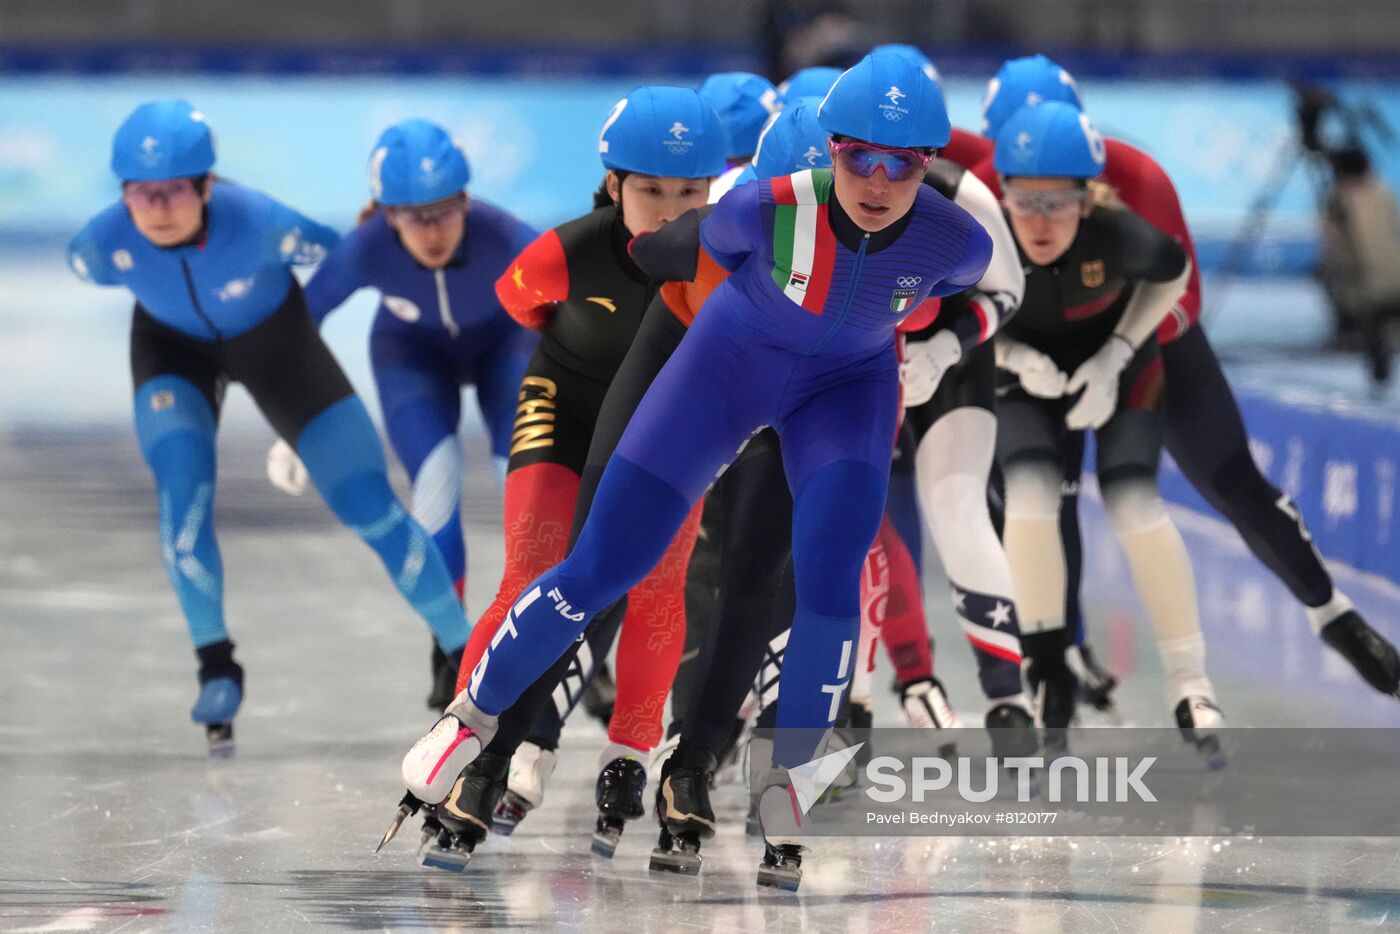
column 743, row 102
column 792, row 141
column 160, row 140
column 915, row 55
column 809, row 82
column 416, row 162
column 1050, row 139
column 1024, row 82
column 664, row 131
column 887, row 99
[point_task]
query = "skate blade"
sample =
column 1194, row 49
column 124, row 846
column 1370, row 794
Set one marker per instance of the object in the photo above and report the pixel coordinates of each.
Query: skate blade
column 507, row 816
column 605, row 843
column 220, row 738
column 677, row 863
column 435, row 857
column 502, row 826
column 781, row 878
column 408, row 806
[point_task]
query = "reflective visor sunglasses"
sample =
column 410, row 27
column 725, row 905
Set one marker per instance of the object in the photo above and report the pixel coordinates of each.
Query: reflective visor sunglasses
column 168, row 193
column 1055, row 205
column 430, row 214
column 864, row 158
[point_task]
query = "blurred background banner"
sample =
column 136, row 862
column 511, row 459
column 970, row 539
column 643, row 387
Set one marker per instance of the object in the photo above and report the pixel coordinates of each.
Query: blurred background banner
column 532, row 142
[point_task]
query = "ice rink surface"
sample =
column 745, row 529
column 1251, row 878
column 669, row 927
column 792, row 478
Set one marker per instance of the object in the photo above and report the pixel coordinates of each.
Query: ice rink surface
column 115, row 819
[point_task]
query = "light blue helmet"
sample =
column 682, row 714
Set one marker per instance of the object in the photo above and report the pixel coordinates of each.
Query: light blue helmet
column 915, row 55
column 743, row 102
column 1024, row 82
column 887, row 99
column 1051, row 139
column 416, row 162
column 809, row 82
column 160, row 140
column 792, row 141
column 664, row 131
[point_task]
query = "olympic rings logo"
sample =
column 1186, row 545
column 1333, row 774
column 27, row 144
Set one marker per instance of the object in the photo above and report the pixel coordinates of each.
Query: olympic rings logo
column 908, row 282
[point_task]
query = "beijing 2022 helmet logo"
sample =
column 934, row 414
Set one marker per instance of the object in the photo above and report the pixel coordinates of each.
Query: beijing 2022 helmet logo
column 893, row 111
column 674, row 140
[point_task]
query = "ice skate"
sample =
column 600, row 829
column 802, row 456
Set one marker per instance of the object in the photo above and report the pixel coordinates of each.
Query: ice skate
column 1096, row 683
column 431, row 766
column 220, row 696
column 530, row 769
column 781, row 867
column 1053, row 686
column 781, row 809
column 1200, row 721
column 445, row 666
column 463, row 820
column 684, row 812
column 1012, row 730
column 926, row 707
column 621, row 784
column 1369, row 652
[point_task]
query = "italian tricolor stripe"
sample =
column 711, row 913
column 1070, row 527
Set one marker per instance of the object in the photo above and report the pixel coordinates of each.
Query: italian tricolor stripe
column 804, row 248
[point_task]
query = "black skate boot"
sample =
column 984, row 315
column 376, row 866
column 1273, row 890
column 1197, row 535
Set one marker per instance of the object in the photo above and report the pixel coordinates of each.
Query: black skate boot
column 619, row 792
column 220, row 696
column 1096, row 683
column 1053, row 686
column 781, row 867
column 461, row 822
column 1012, row 730
column 683, row 810
column 1369, row 652
column 1200, row 721
column 926, row 707
column 445, row 668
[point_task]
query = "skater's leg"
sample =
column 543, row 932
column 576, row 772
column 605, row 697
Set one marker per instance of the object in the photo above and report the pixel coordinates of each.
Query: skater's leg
column 1028, row 450
column 955, row 459
column 343, row 457
column 1161, row 569
column 893, row 566
column 420, row 398
column 304, row 394
column 701, row 597
column 567, row 682
column 175, row 427
column 836, row 449
column 1205, row 435
column 178, row 388
column 539, row 504
column 755, row 552
column 645, row 493
column 649, row 648
column 1072, row 457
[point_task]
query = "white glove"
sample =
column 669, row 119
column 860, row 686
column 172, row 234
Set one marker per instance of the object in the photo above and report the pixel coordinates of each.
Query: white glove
column 1039, row 375
column 924, row 364
column 285, row 469
column 1098, row 377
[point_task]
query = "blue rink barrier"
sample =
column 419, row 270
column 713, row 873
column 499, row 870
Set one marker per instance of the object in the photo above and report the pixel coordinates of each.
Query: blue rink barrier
column 1337, row 464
